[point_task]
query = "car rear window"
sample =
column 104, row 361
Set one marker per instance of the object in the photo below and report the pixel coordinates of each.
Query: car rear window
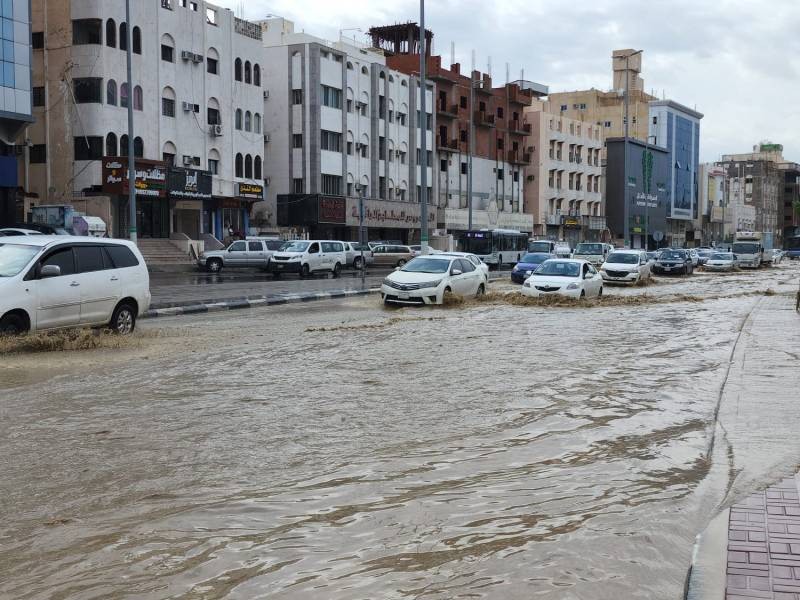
column 122, row 256
column 90, row 259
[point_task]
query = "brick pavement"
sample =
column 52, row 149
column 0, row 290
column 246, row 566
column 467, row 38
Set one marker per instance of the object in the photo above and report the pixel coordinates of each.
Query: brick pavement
column 764, row 545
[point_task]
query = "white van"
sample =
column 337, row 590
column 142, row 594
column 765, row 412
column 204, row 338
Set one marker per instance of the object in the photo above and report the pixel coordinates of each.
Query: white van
column 308, row 256
column 50, row 282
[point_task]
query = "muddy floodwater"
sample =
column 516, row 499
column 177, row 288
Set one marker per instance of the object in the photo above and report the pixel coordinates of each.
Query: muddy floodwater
column 341, row 451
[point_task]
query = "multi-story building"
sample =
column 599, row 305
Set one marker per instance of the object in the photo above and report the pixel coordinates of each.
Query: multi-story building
column 498, row 151
column 564, row 185
column 791, row 199
column 712, row 204
column 342, row 125
column 677, row 128
column 197, row 97
column 15, row 103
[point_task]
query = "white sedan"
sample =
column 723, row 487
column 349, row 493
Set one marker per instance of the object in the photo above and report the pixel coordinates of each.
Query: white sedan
column 721, row 261
column 572, row 278
column 427, row 279
column 475, row 260
column 626, row 266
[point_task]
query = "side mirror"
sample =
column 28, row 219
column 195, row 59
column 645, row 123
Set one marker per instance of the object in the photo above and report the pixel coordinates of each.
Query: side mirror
column 455, row 272
column 50, row 271
column 397, row 268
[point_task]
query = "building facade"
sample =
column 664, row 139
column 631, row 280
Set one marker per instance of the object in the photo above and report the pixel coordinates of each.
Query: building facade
column 15, row 105
column 563, row 190
column 342, row 125
column 791, row 199
column 197, row 95
column 712, row 203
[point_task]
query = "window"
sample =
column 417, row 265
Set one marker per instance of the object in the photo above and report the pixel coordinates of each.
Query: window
column 213, row 117
column 38, row 96
column 401, row 118
column 212, row 66
column 122, row 257
column 297, row 186
column 248, row 121
column 111, row 144
column 257, row 167
column 213, row 166
column 167, row 53
column 247, row 72
column 168, row 157
column 564, row 107
column 88, row 148
column 607, row 124
column 257, row 75
column 37, row 40
column 443, row 165
column 237, row 123
column 88, row 90
column 123, row 36
column 499, row 112
column 499, row 174
column 138, row 100
column 238, row 247
column 297, row 140
column 123, row 145
column 86, row 31
column 349, row 148
column 463, row 102
column 655, row 120
column 237, row 69
column 330, row 140
column 63, row 259
column 464, row 168
column 37, row 154
column 211, row 16
column 167, row 107
column 137, row 40
column 138, row 147
column 257, row 123
column 239, row 166
column 90, row 258
column 248, row 167
column 111, row 33
column 297, row 96
column 500, row 143
column 349, row 105
column 331, row 97
column 123, row 95
column 364, row 71
column 516, row 176
column 332, row 185
column 381, row 148
column 403, row 157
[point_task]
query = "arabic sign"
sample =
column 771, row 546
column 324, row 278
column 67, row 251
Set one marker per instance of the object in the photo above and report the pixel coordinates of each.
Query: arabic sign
column 250, row 190
column 151, row 176
column 189, row 183
column 332, row 210
column 380, row 213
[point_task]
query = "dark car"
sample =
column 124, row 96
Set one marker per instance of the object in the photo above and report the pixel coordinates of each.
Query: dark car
column 673, row 261
column 529, row 263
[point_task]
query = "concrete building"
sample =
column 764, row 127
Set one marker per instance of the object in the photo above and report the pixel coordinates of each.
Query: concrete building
column 563, row 189
column 197, row 97
column 637, row 209
column 341, row 123
column 499, row 152
column 712, row 204
column 791, row 199
column 15, row 105
column 677, row 128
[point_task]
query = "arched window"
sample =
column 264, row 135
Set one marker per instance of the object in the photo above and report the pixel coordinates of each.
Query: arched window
column 138, row 99
column 111, row 92
column 257, row 168
column 213, row 161
column 257, row 75
column 248, row 121
column 247, row 71
column 123, row 95
column 137, row 40
column 168, row 153
column 168, row 102
column 364, row 71
column 123, row 145
column 123, row 36
column 111, row 144
column 238, row 120
column 237, row 69
column 212, row 61
column 257, row 123
column 238, row 167
column 138, row 147
column 248, row 167
column 382, row 75
column 349, row 66
column 111, row 34
column 403, row 83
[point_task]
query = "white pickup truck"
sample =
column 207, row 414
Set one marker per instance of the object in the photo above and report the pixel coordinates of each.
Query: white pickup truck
column 593, row 252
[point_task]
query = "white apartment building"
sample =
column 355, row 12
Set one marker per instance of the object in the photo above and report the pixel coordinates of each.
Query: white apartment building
column 197, row 96
column 564, row 187
column 341, row 124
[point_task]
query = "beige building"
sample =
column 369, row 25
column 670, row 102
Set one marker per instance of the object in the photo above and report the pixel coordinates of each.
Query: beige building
column 607, row 109
column 564, row 186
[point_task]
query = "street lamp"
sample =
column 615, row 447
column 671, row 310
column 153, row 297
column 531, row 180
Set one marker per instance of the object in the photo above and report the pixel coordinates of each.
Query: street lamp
column 131, row 157
column 473, row 83
column 361, row 190
column 625, row 142
column 423, row 129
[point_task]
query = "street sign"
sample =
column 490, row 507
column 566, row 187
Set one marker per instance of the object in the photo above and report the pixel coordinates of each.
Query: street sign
column 658, row 235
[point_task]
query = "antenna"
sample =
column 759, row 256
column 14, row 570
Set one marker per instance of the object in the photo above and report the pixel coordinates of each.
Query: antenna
column 522, row 74
column 508, row 72
column 472, row 66
column 452, row 53
column 489, row 66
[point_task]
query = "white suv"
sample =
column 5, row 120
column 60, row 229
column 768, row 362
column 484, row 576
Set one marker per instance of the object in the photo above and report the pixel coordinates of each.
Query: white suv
column 308, row 256
column 49, row 282
column 626, row 266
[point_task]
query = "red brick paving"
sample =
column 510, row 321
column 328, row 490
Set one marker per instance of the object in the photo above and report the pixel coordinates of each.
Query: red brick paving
column 764, row 545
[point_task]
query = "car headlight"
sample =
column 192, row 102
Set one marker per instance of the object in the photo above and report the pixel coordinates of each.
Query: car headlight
column 430, row 284
column 573, row 286
column 387, row 282
column 527, row 283
column 515, row 269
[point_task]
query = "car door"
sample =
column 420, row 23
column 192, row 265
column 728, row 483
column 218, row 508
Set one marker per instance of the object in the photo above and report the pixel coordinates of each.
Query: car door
column 58, row 299
column 379, row 256
column 458, row 278
column 644, row 266
column 257, row 255
column 99, row 284
column 472, row 277
column 237, row 254
column 314, row 254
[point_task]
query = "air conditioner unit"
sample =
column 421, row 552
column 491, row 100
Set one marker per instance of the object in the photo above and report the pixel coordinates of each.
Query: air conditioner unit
column 197, row 58
column 215, row 130
column 266, row 94
column 187, row 106
column 186, row 55
column 267, row 180
column 266, row 138
column 188, row 161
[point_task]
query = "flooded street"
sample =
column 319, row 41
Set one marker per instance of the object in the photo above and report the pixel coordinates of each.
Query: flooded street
column 338, row 450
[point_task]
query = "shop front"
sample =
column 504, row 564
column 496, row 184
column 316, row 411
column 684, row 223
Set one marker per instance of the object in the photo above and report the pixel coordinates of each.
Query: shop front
column 187, row 190
column 225, row 217
column 152, row 205
column 314, row 216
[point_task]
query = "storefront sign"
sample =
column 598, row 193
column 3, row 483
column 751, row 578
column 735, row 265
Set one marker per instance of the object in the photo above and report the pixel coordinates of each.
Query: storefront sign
column 189, row 184
column 570, row 222
column 151, row 177
column 250, row 191
column 380, row 213
column 332, row 210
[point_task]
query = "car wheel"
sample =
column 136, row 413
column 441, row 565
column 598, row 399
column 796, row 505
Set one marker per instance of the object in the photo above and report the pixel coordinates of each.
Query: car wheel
column 583, row 293
column 123, row 321
column 337, row 269
column 358, row 263
column 214, row 266
column 401, row 262
column 12, row 325
column 304, row 271
column 481, row 291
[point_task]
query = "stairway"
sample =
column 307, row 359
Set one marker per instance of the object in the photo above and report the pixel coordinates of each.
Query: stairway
column 161, row 252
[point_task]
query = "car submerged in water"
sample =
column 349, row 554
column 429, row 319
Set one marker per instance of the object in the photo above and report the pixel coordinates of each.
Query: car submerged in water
column 529, row 263
column 673, row 262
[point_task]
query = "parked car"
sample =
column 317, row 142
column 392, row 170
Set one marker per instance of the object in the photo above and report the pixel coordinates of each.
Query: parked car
column 593, row 252
column 721, row 261
column 474, row 259
column 427, row 279
column 565, row 277
column 15, row 231
column 392, row 255
column 253, row 253
column 308, row 256
column 626, row 266
column 704, row 254
column 777, row 256
column 673, row 261
column 546, row 246
column 353, row 253
column 50, row 282
column 563, row 250
column 529, row 263
column 652, row 257
column 695, row 256
column 375, row 243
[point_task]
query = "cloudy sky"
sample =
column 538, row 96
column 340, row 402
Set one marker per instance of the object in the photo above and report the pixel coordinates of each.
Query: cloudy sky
column 736, row 61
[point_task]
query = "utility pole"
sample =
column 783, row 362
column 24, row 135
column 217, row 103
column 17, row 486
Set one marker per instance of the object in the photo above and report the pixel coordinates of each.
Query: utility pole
column 131, row 157
column 361, row 238
column 423, row 130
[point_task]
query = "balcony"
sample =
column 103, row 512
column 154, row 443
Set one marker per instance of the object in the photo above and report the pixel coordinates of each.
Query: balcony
column 597, row 223
column 482, row 119
column 445, row 145
column 519, row 128
column 449, row 112
column 515, row 157
column 518, row 96
column 553, row 218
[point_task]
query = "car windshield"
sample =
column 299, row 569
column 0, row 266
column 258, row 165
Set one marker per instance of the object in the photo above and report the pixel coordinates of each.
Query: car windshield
column 672, row 255
column 539, row 246
column 623, row 259
column 427, row 265
column 722, row 256
column 476, row 245
column 557, row 268
column 295, row 247
column 746, row 248
column 535, row 258
column 589, row 249
column 14, row 258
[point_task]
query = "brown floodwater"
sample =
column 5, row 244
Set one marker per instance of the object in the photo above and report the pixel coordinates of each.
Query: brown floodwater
column 346, row 452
